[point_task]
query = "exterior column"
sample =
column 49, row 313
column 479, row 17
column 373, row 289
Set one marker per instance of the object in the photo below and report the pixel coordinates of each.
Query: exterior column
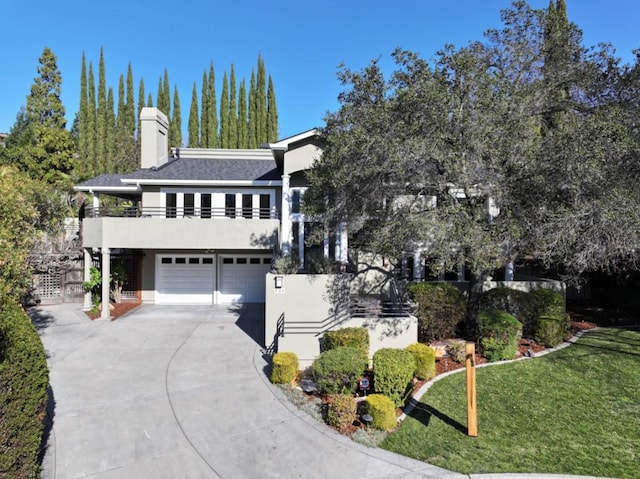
column 301, row 239
column 417, row 265
column 343, row 241
column 86, row 306
column 96, row 204
column 509, row 271
column 325, row 243
column 106, row 274
column 285, row 221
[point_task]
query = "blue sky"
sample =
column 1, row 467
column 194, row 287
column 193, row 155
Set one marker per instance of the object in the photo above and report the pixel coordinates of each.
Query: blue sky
column 302, row 43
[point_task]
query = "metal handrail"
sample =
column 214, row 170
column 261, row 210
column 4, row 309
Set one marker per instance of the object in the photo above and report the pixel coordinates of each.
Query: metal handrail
column 180, row 212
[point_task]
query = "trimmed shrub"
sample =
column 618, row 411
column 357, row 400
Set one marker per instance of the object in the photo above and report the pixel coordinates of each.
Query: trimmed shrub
column 552, row 330
column 24, row 380
column 524, row 306
column 284, row 367
column 393, row 371
column 383, row 411
column 499, row 335
column 348, row 337
column 341, row 411
column 425, row 358
column 441, row 310
column 549, row 302
column 337, row 371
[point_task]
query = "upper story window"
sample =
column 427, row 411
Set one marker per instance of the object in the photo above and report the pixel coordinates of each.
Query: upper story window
column 230, row 205
column 248, row 203
column 296, row 200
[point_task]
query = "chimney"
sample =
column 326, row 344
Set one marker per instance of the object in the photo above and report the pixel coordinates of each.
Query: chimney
column 154, row 128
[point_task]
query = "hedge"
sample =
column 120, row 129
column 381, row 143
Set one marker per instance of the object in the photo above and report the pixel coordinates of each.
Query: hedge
column 425, row 358
column 382, row 410
column 284, row 367
column 24, row 380
column 499, row 335
column 551, row 330
column 350, row 337
column 441, row 310
column 522, row 305
column 337, row 371
column 393, row 372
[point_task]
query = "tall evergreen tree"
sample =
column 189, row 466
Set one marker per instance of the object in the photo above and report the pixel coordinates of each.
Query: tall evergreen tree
column 261, row 103
column 101, row 117
column 111, row 166
column 224, row 113
column 120, row 131
column 83, row 151
column 252, row 122
column 176, row 120
column 166, row 94
column 243, row 137
column 43, row 103
column 141, row 101
column 160, row 99
column 233, row 110
column 272, row 113
column 194, row 123
column 130, row 104
column 150, row 101
column 212, row 109
column 204, row 112
column 92, row 125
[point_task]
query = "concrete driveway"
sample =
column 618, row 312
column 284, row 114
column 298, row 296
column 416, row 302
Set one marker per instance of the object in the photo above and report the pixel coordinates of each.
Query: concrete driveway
column 181, row 392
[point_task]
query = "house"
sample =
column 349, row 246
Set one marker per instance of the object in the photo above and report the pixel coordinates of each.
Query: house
column 200, row 226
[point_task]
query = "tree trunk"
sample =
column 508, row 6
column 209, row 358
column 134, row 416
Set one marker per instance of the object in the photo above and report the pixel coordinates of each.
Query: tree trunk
column 472, row 326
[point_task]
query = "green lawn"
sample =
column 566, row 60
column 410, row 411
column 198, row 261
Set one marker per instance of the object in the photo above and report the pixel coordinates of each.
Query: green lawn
column 575, row 411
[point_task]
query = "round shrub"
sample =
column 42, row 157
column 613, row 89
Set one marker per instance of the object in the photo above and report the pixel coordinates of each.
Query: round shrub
column 393, row 371
column 549, row 302
column 425, row 358
column 348, row 337
column 521, row 304
column 337, row 371
column 383, row 411
column 341, row 411
column 441, row 310
column 499, row 335
column 551, row 330
column 284, row 367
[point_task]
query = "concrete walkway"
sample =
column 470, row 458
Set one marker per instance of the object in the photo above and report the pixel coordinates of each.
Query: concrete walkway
column 181, row 392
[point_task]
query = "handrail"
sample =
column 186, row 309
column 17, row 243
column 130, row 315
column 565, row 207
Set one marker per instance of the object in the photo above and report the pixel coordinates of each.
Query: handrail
column 179, row 212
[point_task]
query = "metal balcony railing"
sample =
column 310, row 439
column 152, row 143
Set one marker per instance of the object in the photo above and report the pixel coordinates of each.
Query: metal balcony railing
column 180, row 212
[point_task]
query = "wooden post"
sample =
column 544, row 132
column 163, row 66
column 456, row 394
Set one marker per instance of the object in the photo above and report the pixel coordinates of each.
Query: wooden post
column 472, row 413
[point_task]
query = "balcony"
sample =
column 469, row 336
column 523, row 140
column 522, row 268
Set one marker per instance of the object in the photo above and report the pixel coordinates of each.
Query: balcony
column 181, row 228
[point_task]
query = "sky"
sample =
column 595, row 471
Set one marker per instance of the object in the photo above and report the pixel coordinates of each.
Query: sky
column 302, row 43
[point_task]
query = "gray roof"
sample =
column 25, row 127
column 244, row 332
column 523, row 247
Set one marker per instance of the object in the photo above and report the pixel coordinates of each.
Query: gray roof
column 211, row 169
column 106, row 180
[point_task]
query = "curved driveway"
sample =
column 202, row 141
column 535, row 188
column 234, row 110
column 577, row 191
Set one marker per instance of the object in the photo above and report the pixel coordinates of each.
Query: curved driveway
column 181, row 392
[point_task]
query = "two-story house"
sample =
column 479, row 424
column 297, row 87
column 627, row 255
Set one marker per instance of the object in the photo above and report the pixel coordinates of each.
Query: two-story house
column 205, row 224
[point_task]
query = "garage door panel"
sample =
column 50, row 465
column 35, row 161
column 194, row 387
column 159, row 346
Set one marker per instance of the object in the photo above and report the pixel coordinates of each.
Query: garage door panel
column 242, row 279
column 185, row 282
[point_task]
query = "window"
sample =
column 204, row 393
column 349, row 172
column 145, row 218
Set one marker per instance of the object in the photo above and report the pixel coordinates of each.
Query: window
column 181, row 260
column 171, row 201
column 230, row 205
column 207, row 260
column 205, row 205
column 254, row 260
column 241, row 261
column 296, row 199
column 265, row 206
column 194, row 260
column 266, row 260
column 227, row 260
column 189, row 202
column 166, row 260
column 247, row 206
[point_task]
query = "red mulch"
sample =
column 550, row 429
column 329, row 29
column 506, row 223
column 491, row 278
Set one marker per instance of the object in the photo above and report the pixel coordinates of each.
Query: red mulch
column 118, row 310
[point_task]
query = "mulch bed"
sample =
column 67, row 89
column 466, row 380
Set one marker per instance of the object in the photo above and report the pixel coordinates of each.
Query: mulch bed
column 119, row 309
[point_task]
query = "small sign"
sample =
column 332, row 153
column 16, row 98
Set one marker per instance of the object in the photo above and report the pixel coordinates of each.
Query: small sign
column 364, row 383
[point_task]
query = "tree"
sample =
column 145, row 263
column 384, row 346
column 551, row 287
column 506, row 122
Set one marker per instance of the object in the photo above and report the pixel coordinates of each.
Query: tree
column 44, row 106
column 261, row 103
column 83, row 119
column 449, row 158
column 272, row 113
column 243, row 139
column 252, row 120
column 92, row 124
column 102, row 122
column 194, row 124
column 204, row 115
column 224, row 113
column 212, row 109
column 176, row 121
column 232, row 116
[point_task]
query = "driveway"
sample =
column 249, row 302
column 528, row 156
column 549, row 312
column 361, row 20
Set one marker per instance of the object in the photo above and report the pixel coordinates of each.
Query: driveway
column 181, row 392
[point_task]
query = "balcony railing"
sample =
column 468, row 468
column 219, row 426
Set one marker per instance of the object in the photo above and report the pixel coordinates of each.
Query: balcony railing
column 180, row 212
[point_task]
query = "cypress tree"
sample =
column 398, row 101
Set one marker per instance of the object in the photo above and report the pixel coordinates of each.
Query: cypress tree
column 119, row 141
column 204, row 115
column 176, row 121
column 130, row 105
column 261, row 103
column 194, row 124
column 252, row 122
column 243, row 138
column 166, row 95
column 111, row 166
column 150, row 101
column 83, row 140
column 272, row 113
column 160, row 97
column 101, row 118
column 224, row 113
column 212, row 109
column 233, row 111
column 92, row 126
column 141, row 100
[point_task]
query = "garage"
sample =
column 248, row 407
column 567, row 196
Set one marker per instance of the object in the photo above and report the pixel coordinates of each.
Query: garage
column 242, row 278
column 192, row 278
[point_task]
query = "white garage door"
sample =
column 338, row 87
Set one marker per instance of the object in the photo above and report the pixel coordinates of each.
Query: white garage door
column 242, row 278
column 185, row 279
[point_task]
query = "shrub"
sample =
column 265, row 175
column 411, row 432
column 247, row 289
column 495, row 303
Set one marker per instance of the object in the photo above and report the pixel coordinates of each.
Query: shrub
column 341, row 411
column 284, row 367
column 521, row 304
column 383, row 411
column 350, row 337
column 441, row 310
column 24, row 381
column 393, row 371
column 425, row 358
column 499, row 335
column 549, row 302
column 551, row 330
column 337, row 371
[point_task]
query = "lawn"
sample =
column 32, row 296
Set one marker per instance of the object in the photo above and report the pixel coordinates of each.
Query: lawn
column 575, row 411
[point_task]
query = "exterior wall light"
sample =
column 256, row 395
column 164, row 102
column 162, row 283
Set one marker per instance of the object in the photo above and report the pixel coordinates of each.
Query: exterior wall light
column 279, row 280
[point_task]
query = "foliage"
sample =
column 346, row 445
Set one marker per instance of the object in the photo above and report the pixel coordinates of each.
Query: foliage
column 425, row 359
column 549, row 302
column 352, row 337
column 499, row 335
column 314, row 406
column 341, row 411
column 369, row 437
column 521, row 304
column 284, row 367
column 337, row 371
column 393, row 369
column 552, row 330
column 528, row 414
column 286, row 265
column 441, row 310
column 23, row 392
column 383, row 411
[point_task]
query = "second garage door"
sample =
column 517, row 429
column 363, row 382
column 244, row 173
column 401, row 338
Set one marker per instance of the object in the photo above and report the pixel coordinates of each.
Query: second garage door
column 242, row 278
